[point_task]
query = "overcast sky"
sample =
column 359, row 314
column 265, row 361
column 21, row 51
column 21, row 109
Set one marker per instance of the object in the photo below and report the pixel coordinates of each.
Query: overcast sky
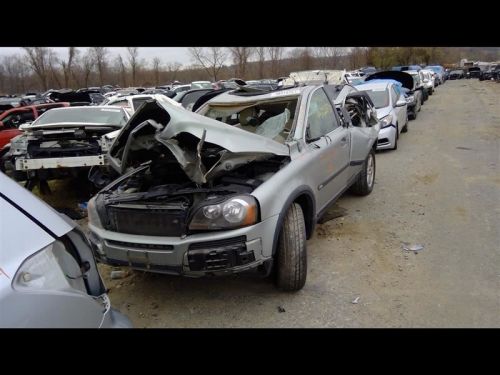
column 166, row 54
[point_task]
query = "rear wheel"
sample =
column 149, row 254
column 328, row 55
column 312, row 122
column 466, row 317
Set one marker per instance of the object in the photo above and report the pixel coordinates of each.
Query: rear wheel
column 366, row 179
column 291, row 256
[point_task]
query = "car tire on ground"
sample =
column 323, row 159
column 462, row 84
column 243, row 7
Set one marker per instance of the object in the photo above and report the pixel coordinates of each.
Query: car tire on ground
column 396, row 138
column 366, row 179
column 291, row 254
column 405, row 128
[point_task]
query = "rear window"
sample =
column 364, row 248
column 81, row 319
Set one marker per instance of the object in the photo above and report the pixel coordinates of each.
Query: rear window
column 380, row 98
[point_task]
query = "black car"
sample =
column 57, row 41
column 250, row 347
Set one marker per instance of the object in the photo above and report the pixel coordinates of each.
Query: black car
column 473, row 72
column 489, row 73
column 456, row 74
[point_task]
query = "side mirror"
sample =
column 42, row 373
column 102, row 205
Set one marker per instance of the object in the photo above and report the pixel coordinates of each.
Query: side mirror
column 24, row 126
column 401, row 103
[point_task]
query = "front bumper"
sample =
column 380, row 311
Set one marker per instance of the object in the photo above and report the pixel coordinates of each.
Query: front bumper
column 212, row 253
column 386, row 138
column 23, row 164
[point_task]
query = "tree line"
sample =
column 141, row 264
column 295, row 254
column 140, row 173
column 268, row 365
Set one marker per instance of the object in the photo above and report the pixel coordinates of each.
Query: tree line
column 40, row 68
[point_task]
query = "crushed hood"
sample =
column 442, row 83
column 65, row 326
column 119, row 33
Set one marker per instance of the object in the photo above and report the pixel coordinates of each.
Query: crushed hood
column 404, row 78
column 161, row 122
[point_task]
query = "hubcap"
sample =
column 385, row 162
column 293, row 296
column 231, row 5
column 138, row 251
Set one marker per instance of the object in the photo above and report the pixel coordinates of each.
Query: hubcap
column 370, row 170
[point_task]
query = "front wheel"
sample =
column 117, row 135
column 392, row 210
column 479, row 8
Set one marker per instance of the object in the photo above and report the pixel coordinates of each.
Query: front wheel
column 366, row 179
column 291, row 262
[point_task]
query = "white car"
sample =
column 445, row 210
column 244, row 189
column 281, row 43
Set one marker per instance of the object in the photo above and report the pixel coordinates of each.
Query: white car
column 132, row 102
column 201, row 85
column 49, row 278
column 429, row 80
column 63, row 142
column 392, row 112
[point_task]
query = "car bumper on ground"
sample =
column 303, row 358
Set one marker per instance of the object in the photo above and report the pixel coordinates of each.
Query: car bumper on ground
column 386, row 138
column 213, row 253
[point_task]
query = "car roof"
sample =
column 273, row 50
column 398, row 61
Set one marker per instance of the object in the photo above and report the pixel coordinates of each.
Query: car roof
column 232, row 97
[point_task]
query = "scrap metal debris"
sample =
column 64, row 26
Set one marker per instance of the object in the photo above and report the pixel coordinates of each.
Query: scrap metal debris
column 412, row 247
column 117, row 275
column 356, row 300
column 281, row 309
column 333, row 213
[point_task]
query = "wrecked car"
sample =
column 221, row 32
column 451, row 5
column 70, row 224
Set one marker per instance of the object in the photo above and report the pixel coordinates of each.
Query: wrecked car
column 237, row 186
column 48, row 278
column 391, row 108
column 63, row 142
column 412, row 93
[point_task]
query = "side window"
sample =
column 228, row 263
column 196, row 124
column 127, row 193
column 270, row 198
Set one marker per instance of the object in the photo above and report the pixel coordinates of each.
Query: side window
column 321, row 119
column 121, row 103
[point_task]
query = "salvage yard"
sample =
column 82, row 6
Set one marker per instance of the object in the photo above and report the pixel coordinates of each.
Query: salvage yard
column 440, row 189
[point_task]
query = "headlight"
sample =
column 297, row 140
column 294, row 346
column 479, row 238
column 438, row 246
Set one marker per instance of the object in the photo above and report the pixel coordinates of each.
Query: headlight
column 52, row 268
column 92, row 214
column 386, row 121
column 410, row 99
column 236, row 212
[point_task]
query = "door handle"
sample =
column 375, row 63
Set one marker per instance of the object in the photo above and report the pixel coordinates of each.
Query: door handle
column 343, row 140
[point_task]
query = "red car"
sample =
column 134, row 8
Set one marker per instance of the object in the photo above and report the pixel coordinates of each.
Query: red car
column 11, row 119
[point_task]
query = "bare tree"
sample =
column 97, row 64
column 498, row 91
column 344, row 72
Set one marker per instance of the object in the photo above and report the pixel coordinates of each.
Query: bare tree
column 99, row 55
column 87, row 65
column 156, row 63
column 261, row 53
column 172, row 70
column 133, row 60
column 211, row 59
column 38, row 59
column 14, row 72
column 240, row 57
column 329, row 56
column 123, row 70
column 67, row 66
column 275, row 56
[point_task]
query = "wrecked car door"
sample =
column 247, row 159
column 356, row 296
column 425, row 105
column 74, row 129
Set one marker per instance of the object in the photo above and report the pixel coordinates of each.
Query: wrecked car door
column 360, row 115
column 330, row 144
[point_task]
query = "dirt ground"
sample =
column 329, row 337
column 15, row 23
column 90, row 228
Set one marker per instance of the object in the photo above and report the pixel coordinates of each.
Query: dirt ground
column 440, row 189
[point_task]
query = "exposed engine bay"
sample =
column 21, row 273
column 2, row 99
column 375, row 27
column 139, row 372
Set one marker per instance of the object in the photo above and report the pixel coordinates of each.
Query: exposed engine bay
column 159, row 199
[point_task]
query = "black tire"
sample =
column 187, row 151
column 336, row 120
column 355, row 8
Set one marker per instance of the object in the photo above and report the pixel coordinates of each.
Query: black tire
column 405, row 128
column 291, row 255
column 396, row 139
column 364, row 185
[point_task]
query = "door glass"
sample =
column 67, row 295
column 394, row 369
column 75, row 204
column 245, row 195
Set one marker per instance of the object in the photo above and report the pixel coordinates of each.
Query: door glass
column 320, row 117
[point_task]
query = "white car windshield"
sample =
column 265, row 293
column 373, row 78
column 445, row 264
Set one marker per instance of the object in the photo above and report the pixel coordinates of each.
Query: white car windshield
column 107, row 116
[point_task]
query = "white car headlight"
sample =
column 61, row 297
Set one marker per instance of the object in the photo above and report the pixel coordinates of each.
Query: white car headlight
column 236, row 212
column 386, row 121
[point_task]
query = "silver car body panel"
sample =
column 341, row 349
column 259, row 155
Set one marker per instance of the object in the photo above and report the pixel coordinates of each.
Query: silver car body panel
column 28, row 225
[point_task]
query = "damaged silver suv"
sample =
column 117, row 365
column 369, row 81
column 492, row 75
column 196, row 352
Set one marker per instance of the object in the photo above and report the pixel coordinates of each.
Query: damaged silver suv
column 237, row 186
